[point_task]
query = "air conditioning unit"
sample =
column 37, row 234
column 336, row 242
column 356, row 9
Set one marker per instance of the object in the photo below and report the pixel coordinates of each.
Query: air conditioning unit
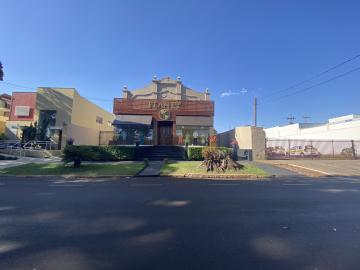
column 22, row 110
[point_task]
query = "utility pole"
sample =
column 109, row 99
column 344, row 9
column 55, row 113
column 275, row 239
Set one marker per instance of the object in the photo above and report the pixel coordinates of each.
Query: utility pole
column 291, row 119
column 306, row 118
column 255, row 112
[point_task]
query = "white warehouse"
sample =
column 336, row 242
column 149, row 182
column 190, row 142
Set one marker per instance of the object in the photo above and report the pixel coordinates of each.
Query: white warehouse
column 340, row 128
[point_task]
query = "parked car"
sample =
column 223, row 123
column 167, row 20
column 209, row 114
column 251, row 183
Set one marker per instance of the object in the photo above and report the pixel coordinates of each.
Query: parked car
column 348, row 152
column 304, row 151
column 276, row 151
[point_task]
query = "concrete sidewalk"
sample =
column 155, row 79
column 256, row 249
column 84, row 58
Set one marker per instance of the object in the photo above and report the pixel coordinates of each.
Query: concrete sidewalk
column 153, row 169
column 325, row 167
column 25, row 160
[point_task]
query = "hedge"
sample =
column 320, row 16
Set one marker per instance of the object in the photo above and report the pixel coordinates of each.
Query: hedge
column 101, row 153
column 195, row 152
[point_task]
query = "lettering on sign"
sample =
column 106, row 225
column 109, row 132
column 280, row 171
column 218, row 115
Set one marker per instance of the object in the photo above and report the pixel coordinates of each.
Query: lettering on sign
column 175, row 105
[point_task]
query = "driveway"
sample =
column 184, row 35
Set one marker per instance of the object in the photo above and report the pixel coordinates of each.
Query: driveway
column 325, row 167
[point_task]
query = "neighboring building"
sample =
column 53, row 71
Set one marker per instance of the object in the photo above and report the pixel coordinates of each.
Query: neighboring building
column 166, row 112
column 340, row 128
column 5, row 102
column 62, row 112
column 248, row 140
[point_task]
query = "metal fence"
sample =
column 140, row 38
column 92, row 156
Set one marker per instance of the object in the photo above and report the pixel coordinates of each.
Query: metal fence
column 311, row 149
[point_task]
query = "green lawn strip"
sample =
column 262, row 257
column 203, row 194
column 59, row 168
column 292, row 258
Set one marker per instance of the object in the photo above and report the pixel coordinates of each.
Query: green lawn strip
column 84, row 170
column 193, row 167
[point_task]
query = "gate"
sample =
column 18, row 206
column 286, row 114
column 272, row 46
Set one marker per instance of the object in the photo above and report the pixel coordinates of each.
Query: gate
column 311, row 149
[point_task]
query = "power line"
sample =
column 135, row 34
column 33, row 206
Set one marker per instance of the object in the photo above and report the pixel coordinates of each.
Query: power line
column 315, row 85
column 315, row 76
column 18, row 85
column 31, row 88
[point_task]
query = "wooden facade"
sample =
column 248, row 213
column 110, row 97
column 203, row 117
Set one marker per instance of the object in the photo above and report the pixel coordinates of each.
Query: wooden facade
column 154, row 106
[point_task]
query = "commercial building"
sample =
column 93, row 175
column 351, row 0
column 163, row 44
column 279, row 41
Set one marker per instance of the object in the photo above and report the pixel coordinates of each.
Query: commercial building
column 61, row 113
column 340, row 128
column 5, row 102
column 166, row 112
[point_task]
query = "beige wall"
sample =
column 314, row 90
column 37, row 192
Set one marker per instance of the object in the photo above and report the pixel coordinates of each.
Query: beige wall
column 83, row 135
column 84, row 114
column 251, row 138
column 247, row 138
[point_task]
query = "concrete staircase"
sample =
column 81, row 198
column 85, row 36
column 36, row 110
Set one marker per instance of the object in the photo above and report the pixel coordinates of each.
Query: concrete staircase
column 160, row 152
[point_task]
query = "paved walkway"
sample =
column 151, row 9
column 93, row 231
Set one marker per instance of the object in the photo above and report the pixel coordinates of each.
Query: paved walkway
column 153, row 169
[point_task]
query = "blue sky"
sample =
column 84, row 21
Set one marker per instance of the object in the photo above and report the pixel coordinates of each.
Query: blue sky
column 245, row 48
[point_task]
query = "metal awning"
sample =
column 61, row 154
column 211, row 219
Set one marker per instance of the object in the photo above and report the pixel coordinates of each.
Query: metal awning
column 132, row 119
column 194, row 121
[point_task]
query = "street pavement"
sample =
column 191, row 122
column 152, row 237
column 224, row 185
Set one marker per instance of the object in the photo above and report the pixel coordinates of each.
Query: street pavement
column 326, row 167
column 161, row 223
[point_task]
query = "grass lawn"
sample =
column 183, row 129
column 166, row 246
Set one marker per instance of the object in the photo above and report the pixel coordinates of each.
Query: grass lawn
column 84, row 170
column 193, row 167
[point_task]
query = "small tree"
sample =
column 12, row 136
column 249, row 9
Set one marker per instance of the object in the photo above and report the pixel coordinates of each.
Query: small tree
column 28, row 133
column 219, row 160
column 1, row 72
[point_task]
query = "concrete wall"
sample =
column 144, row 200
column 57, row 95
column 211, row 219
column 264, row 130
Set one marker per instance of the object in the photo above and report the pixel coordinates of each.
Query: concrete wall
column 342, row 130
column 249, row 138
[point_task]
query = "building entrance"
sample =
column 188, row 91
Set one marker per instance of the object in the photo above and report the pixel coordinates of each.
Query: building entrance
column 165, row 134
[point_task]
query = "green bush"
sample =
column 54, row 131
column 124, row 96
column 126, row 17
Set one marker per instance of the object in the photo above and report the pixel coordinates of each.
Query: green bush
column 99, row 153
column 196, row 152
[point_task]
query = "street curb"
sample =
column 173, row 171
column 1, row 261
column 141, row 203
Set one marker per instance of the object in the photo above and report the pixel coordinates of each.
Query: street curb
column 224, row 177
column 70, row 177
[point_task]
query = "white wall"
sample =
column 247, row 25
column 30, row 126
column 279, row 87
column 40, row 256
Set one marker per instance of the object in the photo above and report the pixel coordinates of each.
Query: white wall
column 349, row 130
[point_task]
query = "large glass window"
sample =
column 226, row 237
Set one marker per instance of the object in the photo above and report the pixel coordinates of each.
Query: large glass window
column 132, row 134
column 192, row 135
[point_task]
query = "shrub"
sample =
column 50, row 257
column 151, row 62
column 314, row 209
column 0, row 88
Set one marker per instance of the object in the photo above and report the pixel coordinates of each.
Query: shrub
column 97, row 153
column 146, row 161
column 75, row 154
column 196, row 152
column 3, row 137
column 2, row 157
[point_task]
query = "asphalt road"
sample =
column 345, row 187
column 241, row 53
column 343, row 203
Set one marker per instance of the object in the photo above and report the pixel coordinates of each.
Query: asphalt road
column 157, row 223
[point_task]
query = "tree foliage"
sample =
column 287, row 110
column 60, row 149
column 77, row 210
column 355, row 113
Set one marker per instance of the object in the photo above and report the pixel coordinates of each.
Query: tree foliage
column 1, row 72
column 29, row 133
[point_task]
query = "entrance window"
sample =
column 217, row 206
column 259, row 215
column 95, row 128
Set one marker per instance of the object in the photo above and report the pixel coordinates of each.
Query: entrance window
column 192, row 135
column 47, row 120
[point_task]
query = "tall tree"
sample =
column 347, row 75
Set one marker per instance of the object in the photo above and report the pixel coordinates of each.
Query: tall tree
column 1, row 72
